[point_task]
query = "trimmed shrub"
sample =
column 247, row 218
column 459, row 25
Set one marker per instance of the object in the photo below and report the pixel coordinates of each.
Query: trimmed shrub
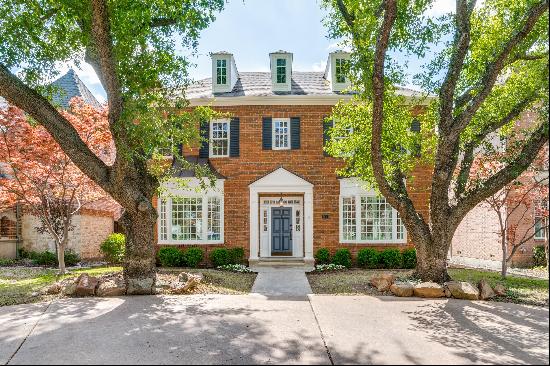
column 113, row 248
column 391, row 258
column 171, row 257
column 193, row 256
column 409, row 258
column 23, row 253
column 236, row 255
column 71, row 258
column 6, row 262
column 539, row 256
column 46, row 258
column 342, row 257
column 322, row 256
column 368, row 258
column 220, row 257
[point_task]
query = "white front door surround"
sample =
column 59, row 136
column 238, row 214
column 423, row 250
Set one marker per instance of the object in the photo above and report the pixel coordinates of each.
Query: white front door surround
column 281, row 182
column 266, row 206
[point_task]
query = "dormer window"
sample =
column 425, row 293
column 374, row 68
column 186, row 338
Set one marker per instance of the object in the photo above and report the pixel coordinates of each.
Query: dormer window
column 281, row 71
column 224, row 72
column 221, row 72
column 337, row 70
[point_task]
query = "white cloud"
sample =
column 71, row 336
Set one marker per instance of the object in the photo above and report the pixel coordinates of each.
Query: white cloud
column 340, row 45
column 319, row 66
column 441, row 7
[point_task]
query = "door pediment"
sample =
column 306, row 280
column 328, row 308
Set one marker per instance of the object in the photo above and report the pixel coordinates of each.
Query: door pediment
column 281, row 178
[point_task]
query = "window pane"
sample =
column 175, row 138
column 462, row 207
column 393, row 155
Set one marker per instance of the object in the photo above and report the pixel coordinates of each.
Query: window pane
column 214, row 218
column 187, row 218
column 348, row 218
column 281, row 70
column 220, row 138
column 163, row 223
column 340, row 70
column 221, row 72
column 376, row 219
column 281, row 134
column 541, row 220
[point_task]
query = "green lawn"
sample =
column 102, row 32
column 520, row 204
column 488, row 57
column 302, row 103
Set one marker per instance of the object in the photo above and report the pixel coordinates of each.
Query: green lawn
column 519, row 289
column 19, row 285
column 356, row 281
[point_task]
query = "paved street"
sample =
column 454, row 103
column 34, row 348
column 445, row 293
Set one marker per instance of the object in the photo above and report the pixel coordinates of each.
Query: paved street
column 261, row 329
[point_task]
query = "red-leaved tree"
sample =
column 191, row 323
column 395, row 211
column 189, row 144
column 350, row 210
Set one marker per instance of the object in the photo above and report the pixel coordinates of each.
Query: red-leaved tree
column 518, row 203
column 42, row 177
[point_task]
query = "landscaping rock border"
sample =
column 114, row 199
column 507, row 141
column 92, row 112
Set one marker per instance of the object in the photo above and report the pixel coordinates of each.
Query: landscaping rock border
column 453, row 289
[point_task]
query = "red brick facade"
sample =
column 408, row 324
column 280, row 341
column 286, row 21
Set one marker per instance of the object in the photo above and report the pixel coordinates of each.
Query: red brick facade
column 309, row 162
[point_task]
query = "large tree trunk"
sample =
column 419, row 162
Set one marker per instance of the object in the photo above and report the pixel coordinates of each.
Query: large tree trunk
column 139, row 261
column 431, row 259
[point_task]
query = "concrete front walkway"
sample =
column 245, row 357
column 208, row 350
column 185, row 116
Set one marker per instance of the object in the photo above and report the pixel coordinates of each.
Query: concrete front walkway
column 252, row 329
column 282, row 283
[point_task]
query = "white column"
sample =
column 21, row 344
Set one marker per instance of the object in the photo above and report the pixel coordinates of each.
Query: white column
column 254, row 244
column 308, row 224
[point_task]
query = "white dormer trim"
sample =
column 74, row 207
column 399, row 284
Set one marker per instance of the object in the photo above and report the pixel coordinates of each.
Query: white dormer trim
column 287, row 57
column 231, row 73
column 332, row 67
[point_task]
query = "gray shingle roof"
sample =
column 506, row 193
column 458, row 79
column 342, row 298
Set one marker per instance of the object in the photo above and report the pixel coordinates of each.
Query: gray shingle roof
column 71, row 86
column 259, row 84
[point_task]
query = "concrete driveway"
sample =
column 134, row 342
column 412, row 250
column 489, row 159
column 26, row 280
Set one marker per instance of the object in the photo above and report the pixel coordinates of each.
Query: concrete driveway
column 254, row 329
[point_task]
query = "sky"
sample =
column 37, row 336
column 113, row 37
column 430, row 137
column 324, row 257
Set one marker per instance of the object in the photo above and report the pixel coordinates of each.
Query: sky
column 251, row 29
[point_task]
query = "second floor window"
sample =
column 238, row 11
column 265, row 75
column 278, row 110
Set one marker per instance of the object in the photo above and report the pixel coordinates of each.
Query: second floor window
column 221, row 72
column 340, row 72
column 281, row 71
column 281, row 134
column 219, row 138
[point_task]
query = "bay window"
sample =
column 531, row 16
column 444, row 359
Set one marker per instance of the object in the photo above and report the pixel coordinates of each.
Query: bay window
column 190, row 219
column 366, row 217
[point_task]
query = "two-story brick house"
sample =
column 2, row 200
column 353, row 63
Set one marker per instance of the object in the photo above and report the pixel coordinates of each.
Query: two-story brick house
column 277, row 194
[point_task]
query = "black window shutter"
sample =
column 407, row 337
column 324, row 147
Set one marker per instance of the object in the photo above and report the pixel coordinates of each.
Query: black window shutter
column 327, row 125
column 266, row 133
column 294, row 133
column 205, row 137
column 234, row 138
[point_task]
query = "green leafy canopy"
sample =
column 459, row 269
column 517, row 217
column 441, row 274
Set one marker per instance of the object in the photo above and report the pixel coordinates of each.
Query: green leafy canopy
column 147, row 42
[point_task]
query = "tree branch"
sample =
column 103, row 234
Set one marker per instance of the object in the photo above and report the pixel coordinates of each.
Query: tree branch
column 494, row 68
column 348, row 18
column 506, row 175
column 103, row 47
column 460, row 50
column 469, row 149
column 17, row 93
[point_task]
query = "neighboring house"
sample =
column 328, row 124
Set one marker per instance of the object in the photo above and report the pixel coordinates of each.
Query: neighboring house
column 277, row 193
column 92, row 224
column 477, row 239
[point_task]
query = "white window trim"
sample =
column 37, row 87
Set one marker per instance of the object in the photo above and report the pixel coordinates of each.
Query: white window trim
column 210, row 139
column 351, row 187
column 273, row 147
column 544, row 223
column 192, row 193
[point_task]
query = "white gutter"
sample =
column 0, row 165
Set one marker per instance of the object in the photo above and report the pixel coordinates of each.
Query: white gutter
column 330, row 99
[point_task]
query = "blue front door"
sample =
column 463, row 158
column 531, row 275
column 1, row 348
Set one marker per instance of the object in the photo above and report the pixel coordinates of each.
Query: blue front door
column 281, row 231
